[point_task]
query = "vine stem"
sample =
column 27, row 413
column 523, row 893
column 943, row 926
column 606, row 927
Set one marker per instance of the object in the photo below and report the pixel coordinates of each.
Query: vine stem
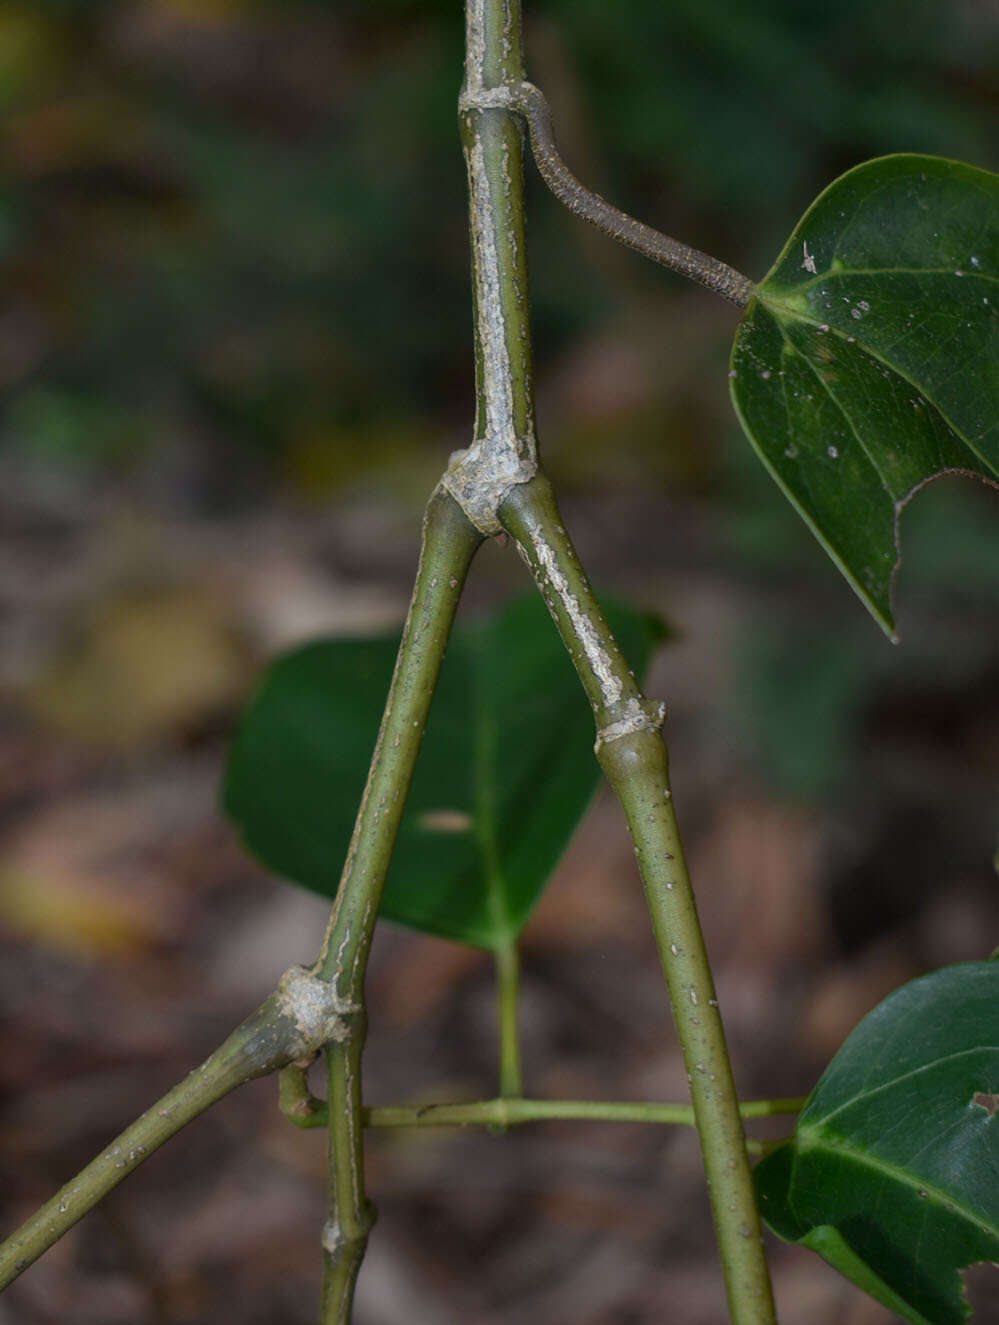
column 448, row 545
column 493, row 485
column 498, row 484
column 322, row 1007
column 304, row 1110
column 633, row 756
column 290, row 1025
column 511, row 1113
column 530, row 102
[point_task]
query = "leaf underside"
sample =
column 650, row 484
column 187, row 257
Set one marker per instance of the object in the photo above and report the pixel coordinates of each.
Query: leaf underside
column 868, row 361
column 505, row 772
column 893, row 1172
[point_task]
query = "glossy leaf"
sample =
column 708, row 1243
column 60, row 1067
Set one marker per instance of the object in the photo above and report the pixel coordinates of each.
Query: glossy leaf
column 893, row 1172
column 868, row 361
column 505, row 773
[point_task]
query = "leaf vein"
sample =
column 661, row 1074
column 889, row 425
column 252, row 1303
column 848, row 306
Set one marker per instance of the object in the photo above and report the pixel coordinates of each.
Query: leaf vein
column 893, row 1173
column 906, row 1076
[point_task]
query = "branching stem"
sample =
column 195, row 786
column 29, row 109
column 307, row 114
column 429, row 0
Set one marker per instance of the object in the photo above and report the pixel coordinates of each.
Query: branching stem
column 531, row 102
column 499, row 486
column 494, row 485
column 300, row 1016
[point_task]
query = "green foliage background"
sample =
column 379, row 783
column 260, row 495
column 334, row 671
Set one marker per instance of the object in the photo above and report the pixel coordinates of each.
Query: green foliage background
column 247, row 218
column 235, row 259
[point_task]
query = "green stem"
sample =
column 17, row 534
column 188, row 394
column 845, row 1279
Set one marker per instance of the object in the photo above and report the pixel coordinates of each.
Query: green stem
column 637, row 768
column 350, row 1215
column 497, row 483
column 511, row 1113
column 508, row 1112
column 633, row 756
column 452, row 532
column 508, row 979
column 268, row 1039
column 449, row 543
column 486, row 761
column 504, row 450
column 296, row 1101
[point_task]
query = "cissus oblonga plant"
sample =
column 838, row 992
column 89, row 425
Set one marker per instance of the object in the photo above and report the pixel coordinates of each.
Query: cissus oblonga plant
column 866, row 363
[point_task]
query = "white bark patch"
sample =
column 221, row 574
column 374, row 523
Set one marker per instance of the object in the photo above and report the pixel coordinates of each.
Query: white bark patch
column 639, row 715
column 314, row 1008
column 475, row 42
column 497, row 386
column 480, row 477
column 332, row 1239
column 505, row 97
column 600, row 661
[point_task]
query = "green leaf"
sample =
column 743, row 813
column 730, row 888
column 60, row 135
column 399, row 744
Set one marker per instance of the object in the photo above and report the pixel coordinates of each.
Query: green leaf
column 868, row 361
column 505, row 773
column 893, row 1171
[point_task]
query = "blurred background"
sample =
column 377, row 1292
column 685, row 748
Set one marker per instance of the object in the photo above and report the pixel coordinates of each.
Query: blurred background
column 234, row 357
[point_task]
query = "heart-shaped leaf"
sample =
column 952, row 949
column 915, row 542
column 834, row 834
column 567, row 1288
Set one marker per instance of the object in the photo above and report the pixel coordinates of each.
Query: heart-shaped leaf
column 868, row 360
column 505, row 772
column 893, row 1171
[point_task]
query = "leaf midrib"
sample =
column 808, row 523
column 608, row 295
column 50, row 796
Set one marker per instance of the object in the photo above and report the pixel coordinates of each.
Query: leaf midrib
column 804, row 1142
column 897, row 503
column 782, row 313
column 848, row 418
